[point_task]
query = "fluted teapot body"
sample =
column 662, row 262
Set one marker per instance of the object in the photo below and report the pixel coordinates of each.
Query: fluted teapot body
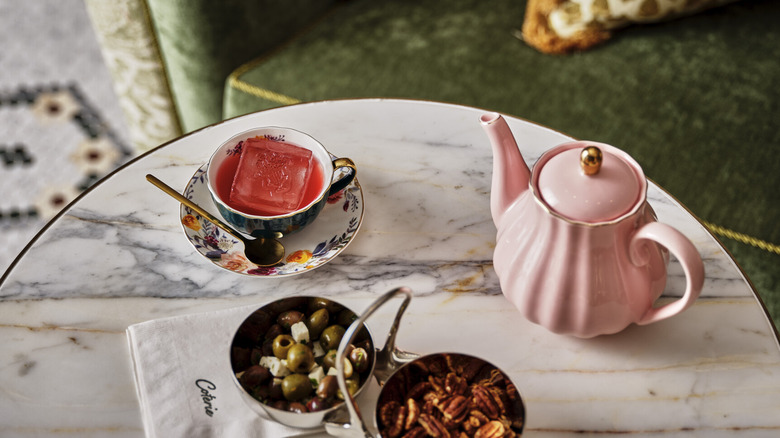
column 578, row 248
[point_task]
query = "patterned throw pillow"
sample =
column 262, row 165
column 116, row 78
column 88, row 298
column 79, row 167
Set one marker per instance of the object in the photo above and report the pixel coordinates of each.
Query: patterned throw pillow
column 563, row 26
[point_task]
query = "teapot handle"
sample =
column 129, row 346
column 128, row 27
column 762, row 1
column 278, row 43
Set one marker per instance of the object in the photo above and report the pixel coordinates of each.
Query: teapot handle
column 686, row 254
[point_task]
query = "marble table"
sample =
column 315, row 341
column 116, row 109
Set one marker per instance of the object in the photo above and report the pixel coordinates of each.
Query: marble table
column 118, row 256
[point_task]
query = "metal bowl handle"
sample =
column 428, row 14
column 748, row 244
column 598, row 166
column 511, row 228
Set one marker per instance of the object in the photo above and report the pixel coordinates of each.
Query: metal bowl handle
column 387, row 361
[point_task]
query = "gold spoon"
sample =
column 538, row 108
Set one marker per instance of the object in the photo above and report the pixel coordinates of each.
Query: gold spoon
column 260, row 251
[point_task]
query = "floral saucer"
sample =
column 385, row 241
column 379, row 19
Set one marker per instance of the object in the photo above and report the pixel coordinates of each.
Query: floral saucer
column 310, row 248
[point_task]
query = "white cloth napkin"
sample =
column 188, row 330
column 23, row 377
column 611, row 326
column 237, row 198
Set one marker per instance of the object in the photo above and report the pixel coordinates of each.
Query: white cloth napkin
column 184, row 383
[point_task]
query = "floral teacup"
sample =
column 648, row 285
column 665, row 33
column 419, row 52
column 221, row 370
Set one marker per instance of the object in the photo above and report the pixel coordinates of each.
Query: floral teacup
column 278, row 225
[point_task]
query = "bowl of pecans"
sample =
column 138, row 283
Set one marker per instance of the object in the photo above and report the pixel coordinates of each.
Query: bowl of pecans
column 450, row 395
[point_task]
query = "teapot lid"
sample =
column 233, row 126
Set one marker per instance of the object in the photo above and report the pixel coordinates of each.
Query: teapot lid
column 589, row 182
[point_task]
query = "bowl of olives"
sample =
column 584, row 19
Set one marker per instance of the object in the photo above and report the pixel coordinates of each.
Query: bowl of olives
column 283, row 359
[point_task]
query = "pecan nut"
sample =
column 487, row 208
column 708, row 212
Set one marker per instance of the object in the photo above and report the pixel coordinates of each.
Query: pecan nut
column 433, row 426
column 475, row 420
column 429, row 407
column 412, row 413
column 386, row 412
column 393, row 417
column 495, row 378
column 466, row 367
column 478, row 417
column 437, row 383
column 493, row 429
column 454, row 384
column 419, row 390
column 487, row 402
column 455, row 409
column 417, row 432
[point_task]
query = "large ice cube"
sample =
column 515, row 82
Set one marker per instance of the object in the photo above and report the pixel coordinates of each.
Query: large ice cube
column 271, row 177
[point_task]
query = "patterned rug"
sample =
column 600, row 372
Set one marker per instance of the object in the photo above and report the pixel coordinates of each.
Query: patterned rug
column 61, row 128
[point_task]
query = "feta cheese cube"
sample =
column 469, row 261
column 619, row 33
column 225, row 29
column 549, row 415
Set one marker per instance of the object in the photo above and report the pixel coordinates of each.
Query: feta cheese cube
column 266, row 361
column 275, row 366
column 300, row 333
column 316, row 375
column 317, row 349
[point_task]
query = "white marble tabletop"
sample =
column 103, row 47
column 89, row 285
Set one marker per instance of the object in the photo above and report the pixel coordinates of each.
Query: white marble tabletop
column 118, row 256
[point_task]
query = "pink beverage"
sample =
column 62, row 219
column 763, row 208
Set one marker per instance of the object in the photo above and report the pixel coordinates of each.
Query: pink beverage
column 270, row 178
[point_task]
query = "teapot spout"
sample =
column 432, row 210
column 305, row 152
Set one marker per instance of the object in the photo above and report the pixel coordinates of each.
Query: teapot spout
column 510, row 173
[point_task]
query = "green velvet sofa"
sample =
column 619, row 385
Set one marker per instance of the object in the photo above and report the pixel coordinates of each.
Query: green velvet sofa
column 695, row 100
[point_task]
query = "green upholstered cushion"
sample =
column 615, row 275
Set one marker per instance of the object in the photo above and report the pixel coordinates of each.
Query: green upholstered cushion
column 696, row 101
column 202, row 41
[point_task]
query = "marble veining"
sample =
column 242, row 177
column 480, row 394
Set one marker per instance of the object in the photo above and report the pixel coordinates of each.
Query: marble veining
column 118, row 256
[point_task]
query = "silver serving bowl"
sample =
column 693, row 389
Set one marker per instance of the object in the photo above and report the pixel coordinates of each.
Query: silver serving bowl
column 248, row 344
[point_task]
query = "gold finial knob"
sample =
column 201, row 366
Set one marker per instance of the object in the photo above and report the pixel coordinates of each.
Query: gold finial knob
column 590, row 160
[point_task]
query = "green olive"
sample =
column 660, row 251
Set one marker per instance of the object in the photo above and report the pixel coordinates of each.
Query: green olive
column 345, row 318
column 347, row 368
column 329, row 361
column 324, row 303
column 352, row 386
column 317, row 322
column 281, row 345
column 296, row 387
column 331, row 337
column 300, row 358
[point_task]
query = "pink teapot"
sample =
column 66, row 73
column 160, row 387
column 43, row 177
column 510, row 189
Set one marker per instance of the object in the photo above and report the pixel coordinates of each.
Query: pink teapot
column 578, row 249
